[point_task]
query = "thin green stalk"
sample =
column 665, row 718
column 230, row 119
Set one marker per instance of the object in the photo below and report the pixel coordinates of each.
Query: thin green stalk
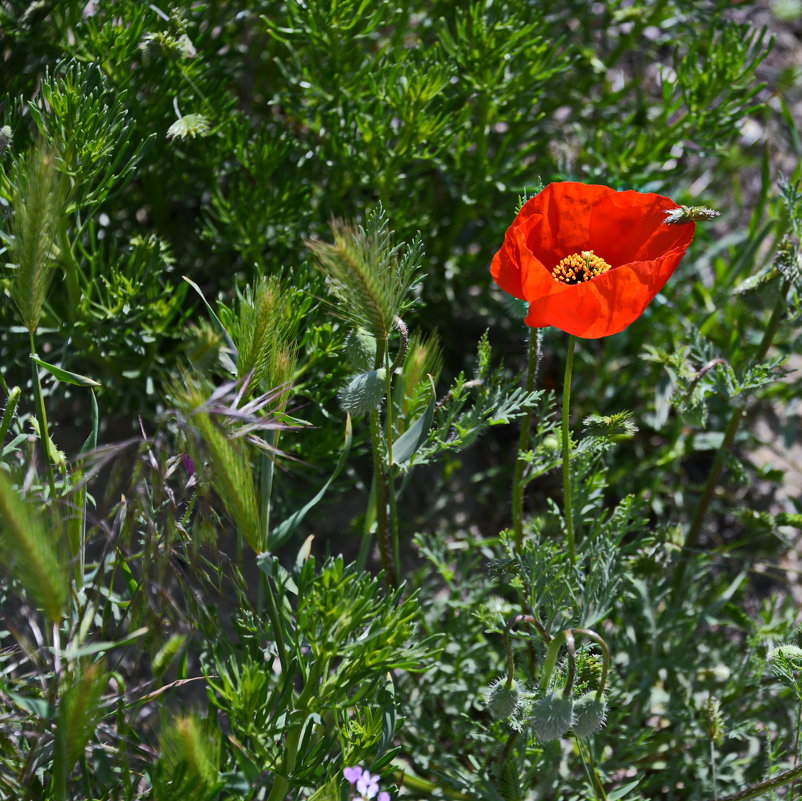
column 713, row 770
column 765, row 787
column 71, row 271
column 566, row 449
column 370, row 519
column 380, row 478
column 691, row 540
column 389, row 434
column 382, row 518
column 425, row 787
column 276, row 622
column 41, row 416
column 590, row 767
column 266, row 490
column 533, row 357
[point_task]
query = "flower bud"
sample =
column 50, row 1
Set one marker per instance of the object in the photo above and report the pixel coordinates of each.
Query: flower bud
column 552, row 716
column 363, row 392
column 503, row 701
column 590, row 714
column 360, row 349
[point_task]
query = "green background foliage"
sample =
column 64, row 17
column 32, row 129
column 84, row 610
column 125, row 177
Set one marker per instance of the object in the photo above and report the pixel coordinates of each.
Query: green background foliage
column 261, row 401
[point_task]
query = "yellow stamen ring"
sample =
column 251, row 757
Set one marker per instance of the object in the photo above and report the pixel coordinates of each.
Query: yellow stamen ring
column 579, row 267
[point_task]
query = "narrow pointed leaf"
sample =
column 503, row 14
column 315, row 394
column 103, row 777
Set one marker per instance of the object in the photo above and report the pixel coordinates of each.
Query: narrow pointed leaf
column 66, row 376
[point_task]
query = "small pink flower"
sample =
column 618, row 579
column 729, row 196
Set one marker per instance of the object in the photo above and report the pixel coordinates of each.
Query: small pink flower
column 353, row 774
column 368, row 785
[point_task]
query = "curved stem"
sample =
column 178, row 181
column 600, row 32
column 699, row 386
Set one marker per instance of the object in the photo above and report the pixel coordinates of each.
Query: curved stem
column 531, row 619
column 570, row 645
column 600, row 641
column 402, row 348
column 533, row 358
column 550, row 661
column 566, row 448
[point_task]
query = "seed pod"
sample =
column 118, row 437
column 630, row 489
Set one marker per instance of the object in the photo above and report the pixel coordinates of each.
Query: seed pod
column 503, row 701
column 363, row 392
column 590, row 714
column 552, row 716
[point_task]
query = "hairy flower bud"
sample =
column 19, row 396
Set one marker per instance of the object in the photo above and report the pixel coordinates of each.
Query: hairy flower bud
column 503, row 701
column 360, row 349
column 552, row 716
column 363, row 392
column 590, row 714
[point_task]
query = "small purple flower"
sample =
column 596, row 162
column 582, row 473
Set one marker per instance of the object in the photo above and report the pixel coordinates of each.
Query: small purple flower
column 353, row 774
column 383, row 796
column 368, row 785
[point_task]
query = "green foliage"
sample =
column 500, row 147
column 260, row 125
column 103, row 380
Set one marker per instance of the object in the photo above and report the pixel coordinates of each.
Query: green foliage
column 177, row 620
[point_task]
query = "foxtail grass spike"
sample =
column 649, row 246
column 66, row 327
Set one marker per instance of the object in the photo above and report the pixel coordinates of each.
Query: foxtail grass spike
column 39, row 202
column 28, row 554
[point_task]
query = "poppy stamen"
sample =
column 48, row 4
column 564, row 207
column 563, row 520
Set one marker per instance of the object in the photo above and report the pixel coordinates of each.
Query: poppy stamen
column 579, row 267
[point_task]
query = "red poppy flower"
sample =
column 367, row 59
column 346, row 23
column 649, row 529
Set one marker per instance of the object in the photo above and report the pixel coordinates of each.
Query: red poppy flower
column 589, row 259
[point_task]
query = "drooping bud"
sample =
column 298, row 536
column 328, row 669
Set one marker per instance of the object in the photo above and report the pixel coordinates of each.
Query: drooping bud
column 360, row 349
column 590, row 714
column 363, row 392
column 552, row 716
column 503, row 701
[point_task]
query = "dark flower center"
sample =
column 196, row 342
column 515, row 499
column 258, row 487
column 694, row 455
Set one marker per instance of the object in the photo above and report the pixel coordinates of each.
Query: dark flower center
column 579, row 267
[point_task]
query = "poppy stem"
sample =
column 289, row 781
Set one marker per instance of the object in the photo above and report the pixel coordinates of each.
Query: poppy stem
column 382, row 481
column 518, row 483
column 566, row 447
